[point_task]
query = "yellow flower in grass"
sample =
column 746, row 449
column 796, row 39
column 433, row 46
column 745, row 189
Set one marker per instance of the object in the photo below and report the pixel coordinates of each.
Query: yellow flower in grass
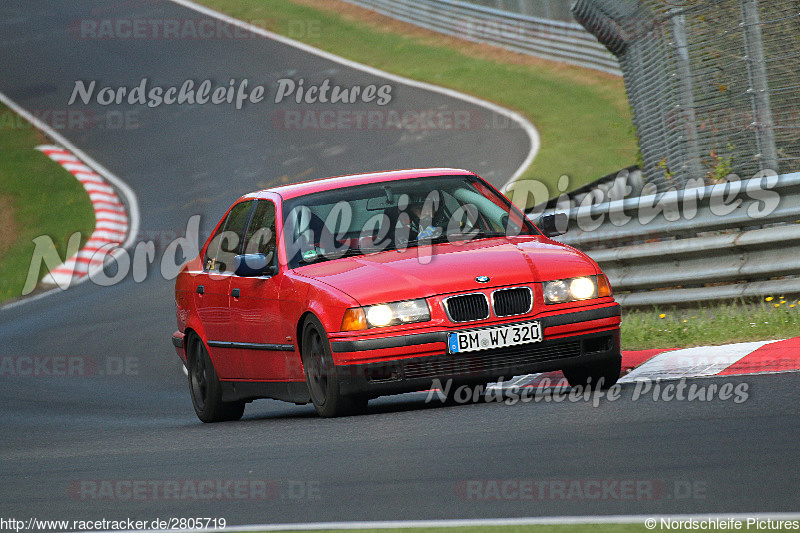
column 769, row 298
column 662, row 315
column 777, row 305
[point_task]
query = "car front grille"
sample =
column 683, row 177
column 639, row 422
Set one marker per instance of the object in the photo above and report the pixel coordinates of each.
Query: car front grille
column 467, row 307
column 508, row 302
column 501, row 360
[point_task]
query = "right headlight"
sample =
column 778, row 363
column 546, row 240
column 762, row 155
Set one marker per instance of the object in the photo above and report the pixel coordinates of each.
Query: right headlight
column 574, row 289
column 382, row 315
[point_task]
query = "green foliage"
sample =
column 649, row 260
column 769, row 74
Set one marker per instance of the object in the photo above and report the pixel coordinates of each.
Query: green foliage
column 772, row 318
column 719, row 166
column 44, row 199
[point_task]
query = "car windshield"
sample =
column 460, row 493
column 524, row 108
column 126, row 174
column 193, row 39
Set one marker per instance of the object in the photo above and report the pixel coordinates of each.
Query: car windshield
column 395, row 215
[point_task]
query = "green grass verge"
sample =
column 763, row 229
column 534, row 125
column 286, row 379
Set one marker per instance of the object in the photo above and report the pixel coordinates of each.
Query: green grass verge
column 37, row 197
column 582, row 116
column 773, row 318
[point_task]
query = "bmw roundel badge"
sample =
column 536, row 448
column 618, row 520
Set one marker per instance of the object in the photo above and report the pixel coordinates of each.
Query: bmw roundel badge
column 482, row 279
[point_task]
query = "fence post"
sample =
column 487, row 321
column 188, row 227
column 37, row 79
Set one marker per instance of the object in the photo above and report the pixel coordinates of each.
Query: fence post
column 759, row 88
column 691, row 163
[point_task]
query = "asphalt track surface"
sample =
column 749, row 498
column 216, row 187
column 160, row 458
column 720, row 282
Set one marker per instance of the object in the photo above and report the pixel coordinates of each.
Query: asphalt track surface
column 406, row 459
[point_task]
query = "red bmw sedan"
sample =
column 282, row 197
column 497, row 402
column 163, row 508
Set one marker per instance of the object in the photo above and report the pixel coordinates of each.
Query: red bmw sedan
column 344, row 289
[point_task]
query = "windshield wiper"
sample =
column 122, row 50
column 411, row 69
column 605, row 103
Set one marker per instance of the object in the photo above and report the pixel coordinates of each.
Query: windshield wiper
column 452, row 237
column 426, row 240
column 486, row 234
column 400, row 246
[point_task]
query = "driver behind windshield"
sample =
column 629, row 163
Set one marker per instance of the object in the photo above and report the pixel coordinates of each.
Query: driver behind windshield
column 421, row 220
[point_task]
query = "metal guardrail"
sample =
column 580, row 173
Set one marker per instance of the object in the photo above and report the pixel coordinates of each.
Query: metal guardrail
column 566, row 42
column 548, row 9
column 718, row 242
column 698, row 244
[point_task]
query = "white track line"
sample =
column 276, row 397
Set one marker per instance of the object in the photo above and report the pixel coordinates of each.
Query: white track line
column 124, row 190
column 130, row 196
column 524, row 123
column 495, row 522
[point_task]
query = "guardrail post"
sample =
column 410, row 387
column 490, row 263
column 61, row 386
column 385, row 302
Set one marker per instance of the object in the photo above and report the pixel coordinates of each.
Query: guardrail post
column 759, row 88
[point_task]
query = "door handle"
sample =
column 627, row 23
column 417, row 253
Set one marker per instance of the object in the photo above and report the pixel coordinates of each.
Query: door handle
column 235, row 293
column 201, row 289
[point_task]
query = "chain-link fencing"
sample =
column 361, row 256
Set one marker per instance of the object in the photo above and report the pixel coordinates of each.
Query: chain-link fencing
column 713, row 83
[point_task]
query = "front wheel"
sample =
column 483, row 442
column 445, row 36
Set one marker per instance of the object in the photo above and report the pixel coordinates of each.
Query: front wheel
column 600, row 375
column 205, row 389
column 321, row 374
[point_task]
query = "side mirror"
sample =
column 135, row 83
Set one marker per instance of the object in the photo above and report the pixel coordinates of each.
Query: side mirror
column 553, row 224
column 252, row 265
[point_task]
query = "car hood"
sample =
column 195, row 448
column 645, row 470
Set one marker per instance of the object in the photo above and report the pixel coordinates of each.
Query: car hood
column 421, row 272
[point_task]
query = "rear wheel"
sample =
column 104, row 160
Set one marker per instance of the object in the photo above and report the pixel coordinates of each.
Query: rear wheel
column 205, row 389
column 600, row 375
column 321, row 374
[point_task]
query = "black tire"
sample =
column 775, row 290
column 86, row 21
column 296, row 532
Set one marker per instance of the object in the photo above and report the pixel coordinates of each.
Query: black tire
column 204, row 387
column 321, row 375
column 603, row 373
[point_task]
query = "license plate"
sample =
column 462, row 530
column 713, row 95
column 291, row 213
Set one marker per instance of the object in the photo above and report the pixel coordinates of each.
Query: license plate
column 497, row 337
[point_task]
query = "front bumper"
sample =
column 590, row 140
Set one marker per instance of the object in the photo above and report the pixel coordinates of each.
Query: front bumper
column 558, row 351
column 179, row 343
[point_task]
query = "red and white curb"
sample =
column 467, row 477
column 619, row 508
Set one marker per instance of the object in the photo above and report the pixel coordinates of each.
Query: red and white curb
column 706, row 361
column 762, row 357
column 111, row 219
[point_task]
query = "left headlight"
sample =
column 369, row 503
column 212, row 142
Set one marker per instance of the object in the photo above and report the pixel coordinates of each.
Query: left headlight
column 570, row 290
column 382, row 315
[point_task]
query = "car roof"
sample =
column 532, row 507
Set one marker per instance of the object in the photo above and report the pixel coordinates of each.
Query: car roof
column 338, row 182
